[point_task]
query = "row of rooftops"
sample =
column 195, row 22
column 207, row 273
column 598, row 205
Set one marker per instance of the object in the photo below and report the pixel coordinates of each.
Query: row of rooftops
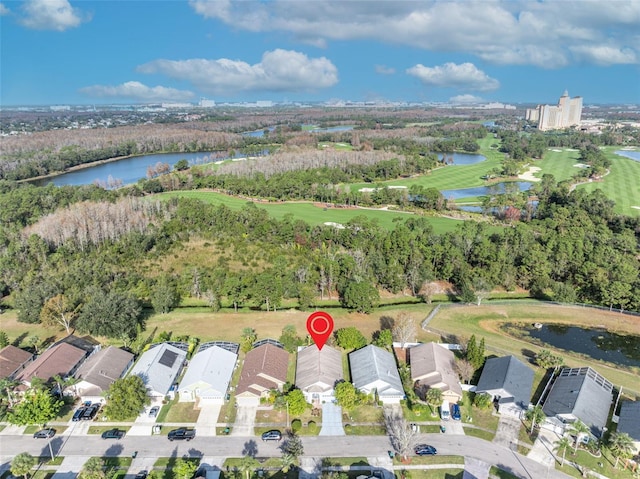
column 577, row 393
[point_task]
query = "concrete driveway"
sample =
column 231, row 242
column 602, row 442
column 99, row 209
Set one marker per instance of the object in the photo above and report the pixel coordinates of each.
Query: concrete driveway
column 508, row 432
column 208, row 419
column 245, row 421
column 331, row 420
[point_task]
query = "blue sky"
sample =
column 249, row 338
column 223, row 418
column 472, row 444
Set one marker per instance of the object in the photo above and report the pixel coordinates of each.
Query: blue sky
column 85, row 52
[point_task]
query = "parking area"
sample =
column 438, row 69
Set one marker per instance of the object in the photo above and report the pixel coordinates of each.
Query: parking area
column 208, row 419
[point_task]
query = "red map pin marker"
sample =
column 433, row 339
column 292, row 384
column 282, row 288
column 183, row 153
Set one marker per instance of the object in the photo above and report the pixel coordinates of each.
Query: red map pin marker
column 320, row 327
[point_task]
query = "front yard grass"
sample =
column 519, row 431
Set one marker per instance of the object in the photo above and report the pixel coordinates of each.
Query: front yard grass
column 370, row 414
column 180, row 412
column 421, row 460
column 583, row 458
column 364, row 430
column 446, row 473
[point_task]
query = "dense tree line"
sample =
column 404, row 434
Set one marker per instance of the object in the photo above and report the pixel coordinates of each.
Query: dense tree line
column 576, row 249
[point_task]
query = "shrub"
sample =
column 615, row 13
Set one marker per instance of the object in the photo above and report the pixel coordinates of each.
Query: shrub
column 296, row 425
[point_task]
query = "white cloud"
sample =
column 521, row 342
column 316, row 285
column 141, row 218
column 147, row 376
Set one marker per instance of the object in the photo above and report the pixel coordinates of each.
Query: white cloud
column 451, row 75
column 466, row 98
column 544, row 34
column 137, row 91
column 385, row 70
column 605, row 55
column 279, row 70
column 56, row 15
column 4, row 10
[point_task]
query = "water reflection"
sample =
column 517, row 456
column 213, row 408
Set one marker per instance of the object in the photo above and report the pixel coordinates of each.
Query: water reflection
column 596, row 343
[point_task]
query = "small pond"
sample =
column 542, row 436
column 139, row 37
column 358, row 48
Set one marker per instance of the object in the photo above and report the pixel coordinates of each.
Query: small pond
column 495, row 189
column 596, row 343
column 634, row 155
column 461, row 158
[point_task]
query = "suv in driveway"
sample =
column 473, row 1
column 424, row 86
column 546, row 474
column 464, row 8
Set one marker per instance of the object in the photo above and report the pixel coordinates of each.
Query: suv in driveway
column 78, row 414
column 273, row 435
column 455, row 412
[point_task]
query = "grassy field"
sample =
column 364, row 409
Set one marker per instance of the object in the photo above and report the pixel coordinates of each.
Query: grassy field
column 622, row 184
column 311, row 213
column 453, row 176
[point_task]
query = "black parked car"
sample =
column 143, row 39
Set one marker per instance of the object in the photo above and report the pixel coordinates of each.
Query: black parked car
column 78, row 414
column 45, row 433
column 273, row 435
column 142, row 475
column 425, row 450
column 90, row 412
column 181, row 434
column 113, row 434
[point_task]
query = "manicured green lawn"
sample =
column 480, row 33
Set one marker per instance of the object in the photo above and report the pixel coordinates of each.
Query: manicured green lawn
column 622, row 184
column 431, row 474
column 175, row 411
column 101, row 429
column 419, row 460
column 452, row 176
column 312, row 214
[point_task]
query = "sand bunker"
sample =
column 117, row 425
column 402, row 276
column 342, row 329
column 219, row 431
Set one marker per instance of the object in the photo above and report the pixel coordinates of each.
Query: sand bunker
column 528, row 175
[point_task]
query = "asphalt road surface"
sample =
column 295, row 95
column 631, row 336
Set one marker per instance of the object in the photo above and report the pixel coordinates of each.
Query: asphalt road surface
column 227, row 446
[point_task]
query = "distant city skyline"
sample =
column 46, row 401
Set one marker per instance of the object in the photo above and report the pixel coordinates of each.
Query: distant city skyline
column 509, row 51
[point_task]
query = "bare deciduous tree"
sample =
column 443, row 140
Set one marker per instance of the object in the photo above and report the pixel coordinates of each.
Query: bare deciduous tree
column 58, row 311
column 404, row 329
column 401, row 434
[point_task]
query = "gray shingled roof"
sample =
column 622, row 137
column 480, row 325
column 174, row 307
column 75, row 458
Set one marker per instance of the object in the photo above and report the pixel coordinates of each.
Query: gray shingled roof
column 630, row 419
column 507, row 377
column 212, row 370
column 373, row 367
column 318, row 369
column 158, row 367
column 60, row 359
column 103, row 368
column 583, row 393
column 433, row 365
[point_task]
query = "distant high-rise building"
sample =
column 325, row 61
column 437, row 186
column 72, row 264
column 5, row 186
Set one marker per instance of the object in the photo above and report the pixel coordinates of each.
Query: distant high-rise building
column 550, row 117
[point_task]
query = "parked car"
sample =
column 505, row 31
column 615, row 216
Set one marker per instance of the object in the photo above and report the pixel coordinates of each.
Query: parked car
column 181, row 434
column 445, row 411
column 455, row 412
column 153, row 412
column 113, row 434
column 273, row 435
column 142, row 475
column 425, row 450
column 78, row 414
column 90, row 412
column 45, row 433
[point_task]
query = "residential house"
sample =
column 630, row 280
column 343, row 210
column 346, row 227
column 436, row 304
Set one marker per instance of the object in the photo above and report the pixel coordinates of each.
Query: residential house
column 208, row 376
column 580, row 394
column 159, row 368
column 374, row 370
column 264, row 368
column 13, row 360
column 317, row 371
column 629, row 421
column 433, row 366
column 509, row 381
column 62, row 360
column 99, row 371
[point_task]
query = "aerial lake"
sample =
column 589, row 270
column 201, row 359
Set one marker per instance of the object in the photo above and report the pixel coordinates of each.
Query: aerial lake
column 634, row 155
column 462, row 158
column 126, row 170
column 595, row 343
column 495, row 189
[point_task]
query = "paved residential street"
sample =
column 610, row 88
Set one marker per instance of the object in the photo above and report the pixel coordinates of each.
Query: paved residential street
column 316, row 446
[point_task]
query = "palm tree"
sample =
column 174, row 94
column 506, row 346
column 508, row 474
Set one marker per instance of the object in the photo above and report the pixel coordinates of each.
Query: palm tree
column 562, row 444
column 433, row 399
column 621, row 445
column 6, row 388
column 579, row 429
column 248, row 464
column 536, row 415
